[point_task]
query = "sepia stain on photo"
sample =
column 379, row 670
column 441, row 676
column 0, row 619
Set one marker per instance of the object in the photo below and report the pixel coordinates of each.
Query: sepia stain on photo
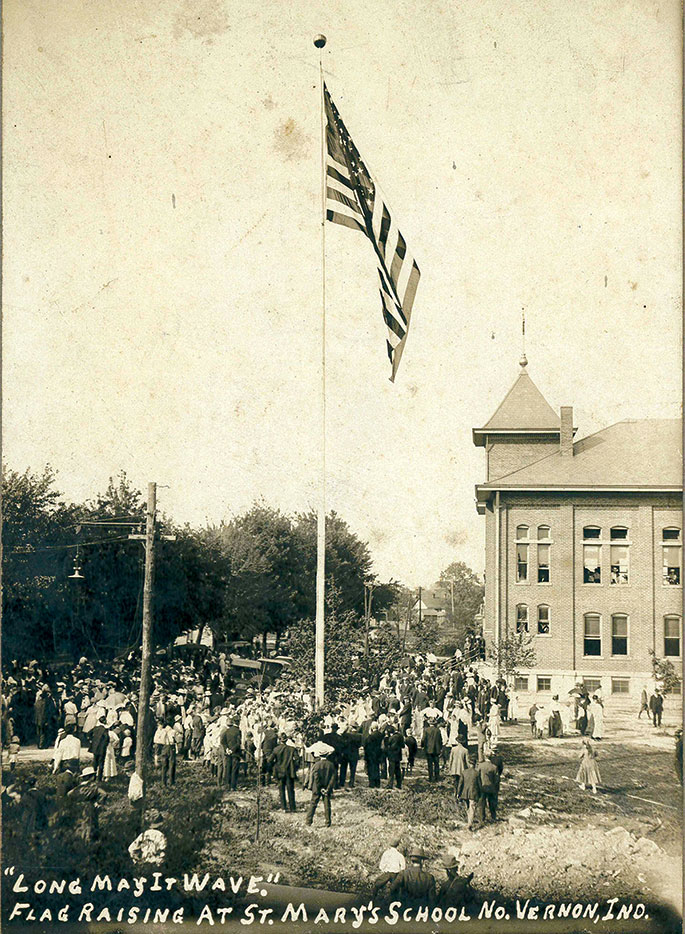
column 342, row 466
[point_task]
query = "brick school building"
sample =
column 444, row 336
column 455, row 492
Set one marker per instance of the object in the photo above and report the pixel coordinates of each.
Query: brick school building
column 583, row 543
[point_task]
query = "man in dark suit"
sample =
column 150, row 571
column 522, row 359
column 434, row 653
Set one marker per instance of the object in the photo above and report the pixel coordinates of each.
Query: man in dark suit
column 231, row 741
column 286, row 761
column 372, row 755
column 323, row 782
column 412, row 746
column 353, row 740
column 469, row 791
column 269, row 743
column 394, row 744
column 334, row 739
column 414, row 885
column 404, row 714
column 99, row 740
column 656, row 706
column 489, row 787
column 432, row 744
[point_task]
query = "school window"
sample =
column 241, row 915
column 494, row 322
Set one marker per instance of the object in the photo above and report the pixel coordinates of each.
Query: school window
column 672, row 636
column 592, row 564
column 592, row 685
column 672, row 556
column 521, row 618
column 522, row 546
column 543, row 620
column 592, row 555
column 520, row 683
column 544, row 548
column 675, row 688
column 620, row 685
column 544, row 682
column 619, row 564
column 592, row 641
column 619, row 635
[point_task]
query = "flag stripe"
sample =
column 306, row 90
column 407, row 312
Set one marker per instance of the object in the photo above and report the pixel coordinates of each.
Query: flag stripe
column 354, row 200
column 345, row 220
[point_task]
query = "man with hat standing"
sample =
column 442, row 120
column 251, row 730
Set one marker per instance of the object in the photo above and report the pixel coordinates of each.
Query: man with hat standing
column 469, row 790
column 432, row 743
column 99, row 741
column 323, row 781
column 230, row 739
column 414, row 884
column 286, row 761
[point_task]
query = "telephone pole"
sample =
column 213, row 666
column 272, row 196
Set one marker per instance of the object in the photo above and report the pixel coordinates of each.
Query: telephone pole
column 144, row 693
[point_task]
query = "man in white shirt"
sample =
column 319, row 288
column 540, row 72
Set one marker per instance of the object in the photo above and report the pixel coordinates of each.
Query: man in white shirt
column 392, row 862
column 68, row 752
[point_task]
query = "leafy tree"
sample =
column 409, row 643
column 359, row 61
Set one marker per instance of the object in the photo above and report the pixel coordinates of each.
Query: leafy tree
column 37, row 524
column 514, row 651
column 468, row 595
column 425, row 634
column 665, row 672
column 348, row 562
column 265, row 567
column 347, row 671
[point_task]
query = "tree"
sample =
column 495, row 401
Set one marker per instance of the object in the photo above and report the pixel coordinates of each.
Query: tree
column 514, row 651
column 425, row 634
column 468, row 591
column 265, row 568
column 348, row 562
column 37, row 529
column 664, row 672
column 347, row 671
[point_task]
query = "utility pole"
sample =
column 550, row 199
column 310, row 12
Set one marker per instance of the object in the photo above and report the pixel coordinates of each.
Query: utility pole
column 144, row 693
column 420, row 614
column 368, row 598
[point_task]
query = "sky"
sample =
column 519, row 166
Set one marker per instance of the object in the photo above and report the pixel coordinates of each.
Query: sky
column 162, row 271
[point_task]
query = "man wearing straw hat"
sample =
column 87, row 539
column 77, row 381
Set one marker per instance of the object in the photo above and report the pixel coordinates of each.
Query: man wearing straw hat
column 323, row 781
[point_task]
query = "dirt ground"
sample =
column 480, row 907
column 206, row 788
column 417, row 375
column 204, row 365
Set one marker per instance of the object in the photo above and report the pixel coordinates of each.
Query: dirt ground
column 552, row 840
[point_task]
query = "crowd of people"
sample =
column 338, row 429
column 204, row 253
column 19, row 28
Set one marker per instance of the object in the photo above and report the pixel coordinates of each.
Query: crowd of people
column 451, row 713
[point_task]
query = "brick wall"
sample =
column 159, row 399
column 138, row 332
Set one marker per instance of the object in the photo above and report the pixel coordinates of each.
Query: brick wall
column 505, row 454
column 644, row 599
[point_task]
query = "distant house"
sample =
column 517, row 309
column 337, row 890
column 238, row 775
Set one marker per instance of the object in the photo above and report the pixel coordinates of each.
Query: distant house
column 432, row 605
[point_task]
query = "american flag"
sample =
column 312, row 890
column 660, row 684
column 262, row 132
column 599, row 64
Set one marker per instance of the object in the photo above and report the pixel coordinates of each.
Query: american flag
column 354, row 200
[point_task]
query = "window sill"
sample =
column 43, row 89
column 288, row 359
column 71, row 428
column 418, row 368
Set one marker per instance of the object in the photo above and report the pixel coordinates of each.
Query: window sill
column 543, row 635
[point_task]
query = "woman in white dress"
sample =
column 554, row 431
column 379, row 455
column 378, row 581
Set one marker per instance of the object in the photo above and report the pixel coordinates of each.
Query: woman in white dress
column 494, row 722
column 110, row 767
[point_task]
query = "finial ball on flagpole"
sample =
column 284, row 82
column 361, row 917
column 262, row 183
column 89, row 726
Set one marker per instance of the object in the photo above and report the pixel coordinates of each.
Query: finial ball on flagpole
column 320, row 42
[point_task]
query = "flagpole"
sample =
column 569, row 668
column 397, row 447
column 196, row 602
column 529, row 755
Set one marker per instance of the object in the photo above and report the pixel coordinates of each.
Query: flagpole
column 320, row 42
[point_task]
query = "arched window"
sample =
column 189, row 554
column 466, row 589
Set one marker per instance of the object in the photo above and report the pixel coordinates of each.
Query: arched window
column 672, row 556
column 672, row 636
column 619, row 554
column 619, row 634
column 592, row 555
column 544, row 553
column 522, row 546
column 592, row 634
column 521, row 618
column 543, row 620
